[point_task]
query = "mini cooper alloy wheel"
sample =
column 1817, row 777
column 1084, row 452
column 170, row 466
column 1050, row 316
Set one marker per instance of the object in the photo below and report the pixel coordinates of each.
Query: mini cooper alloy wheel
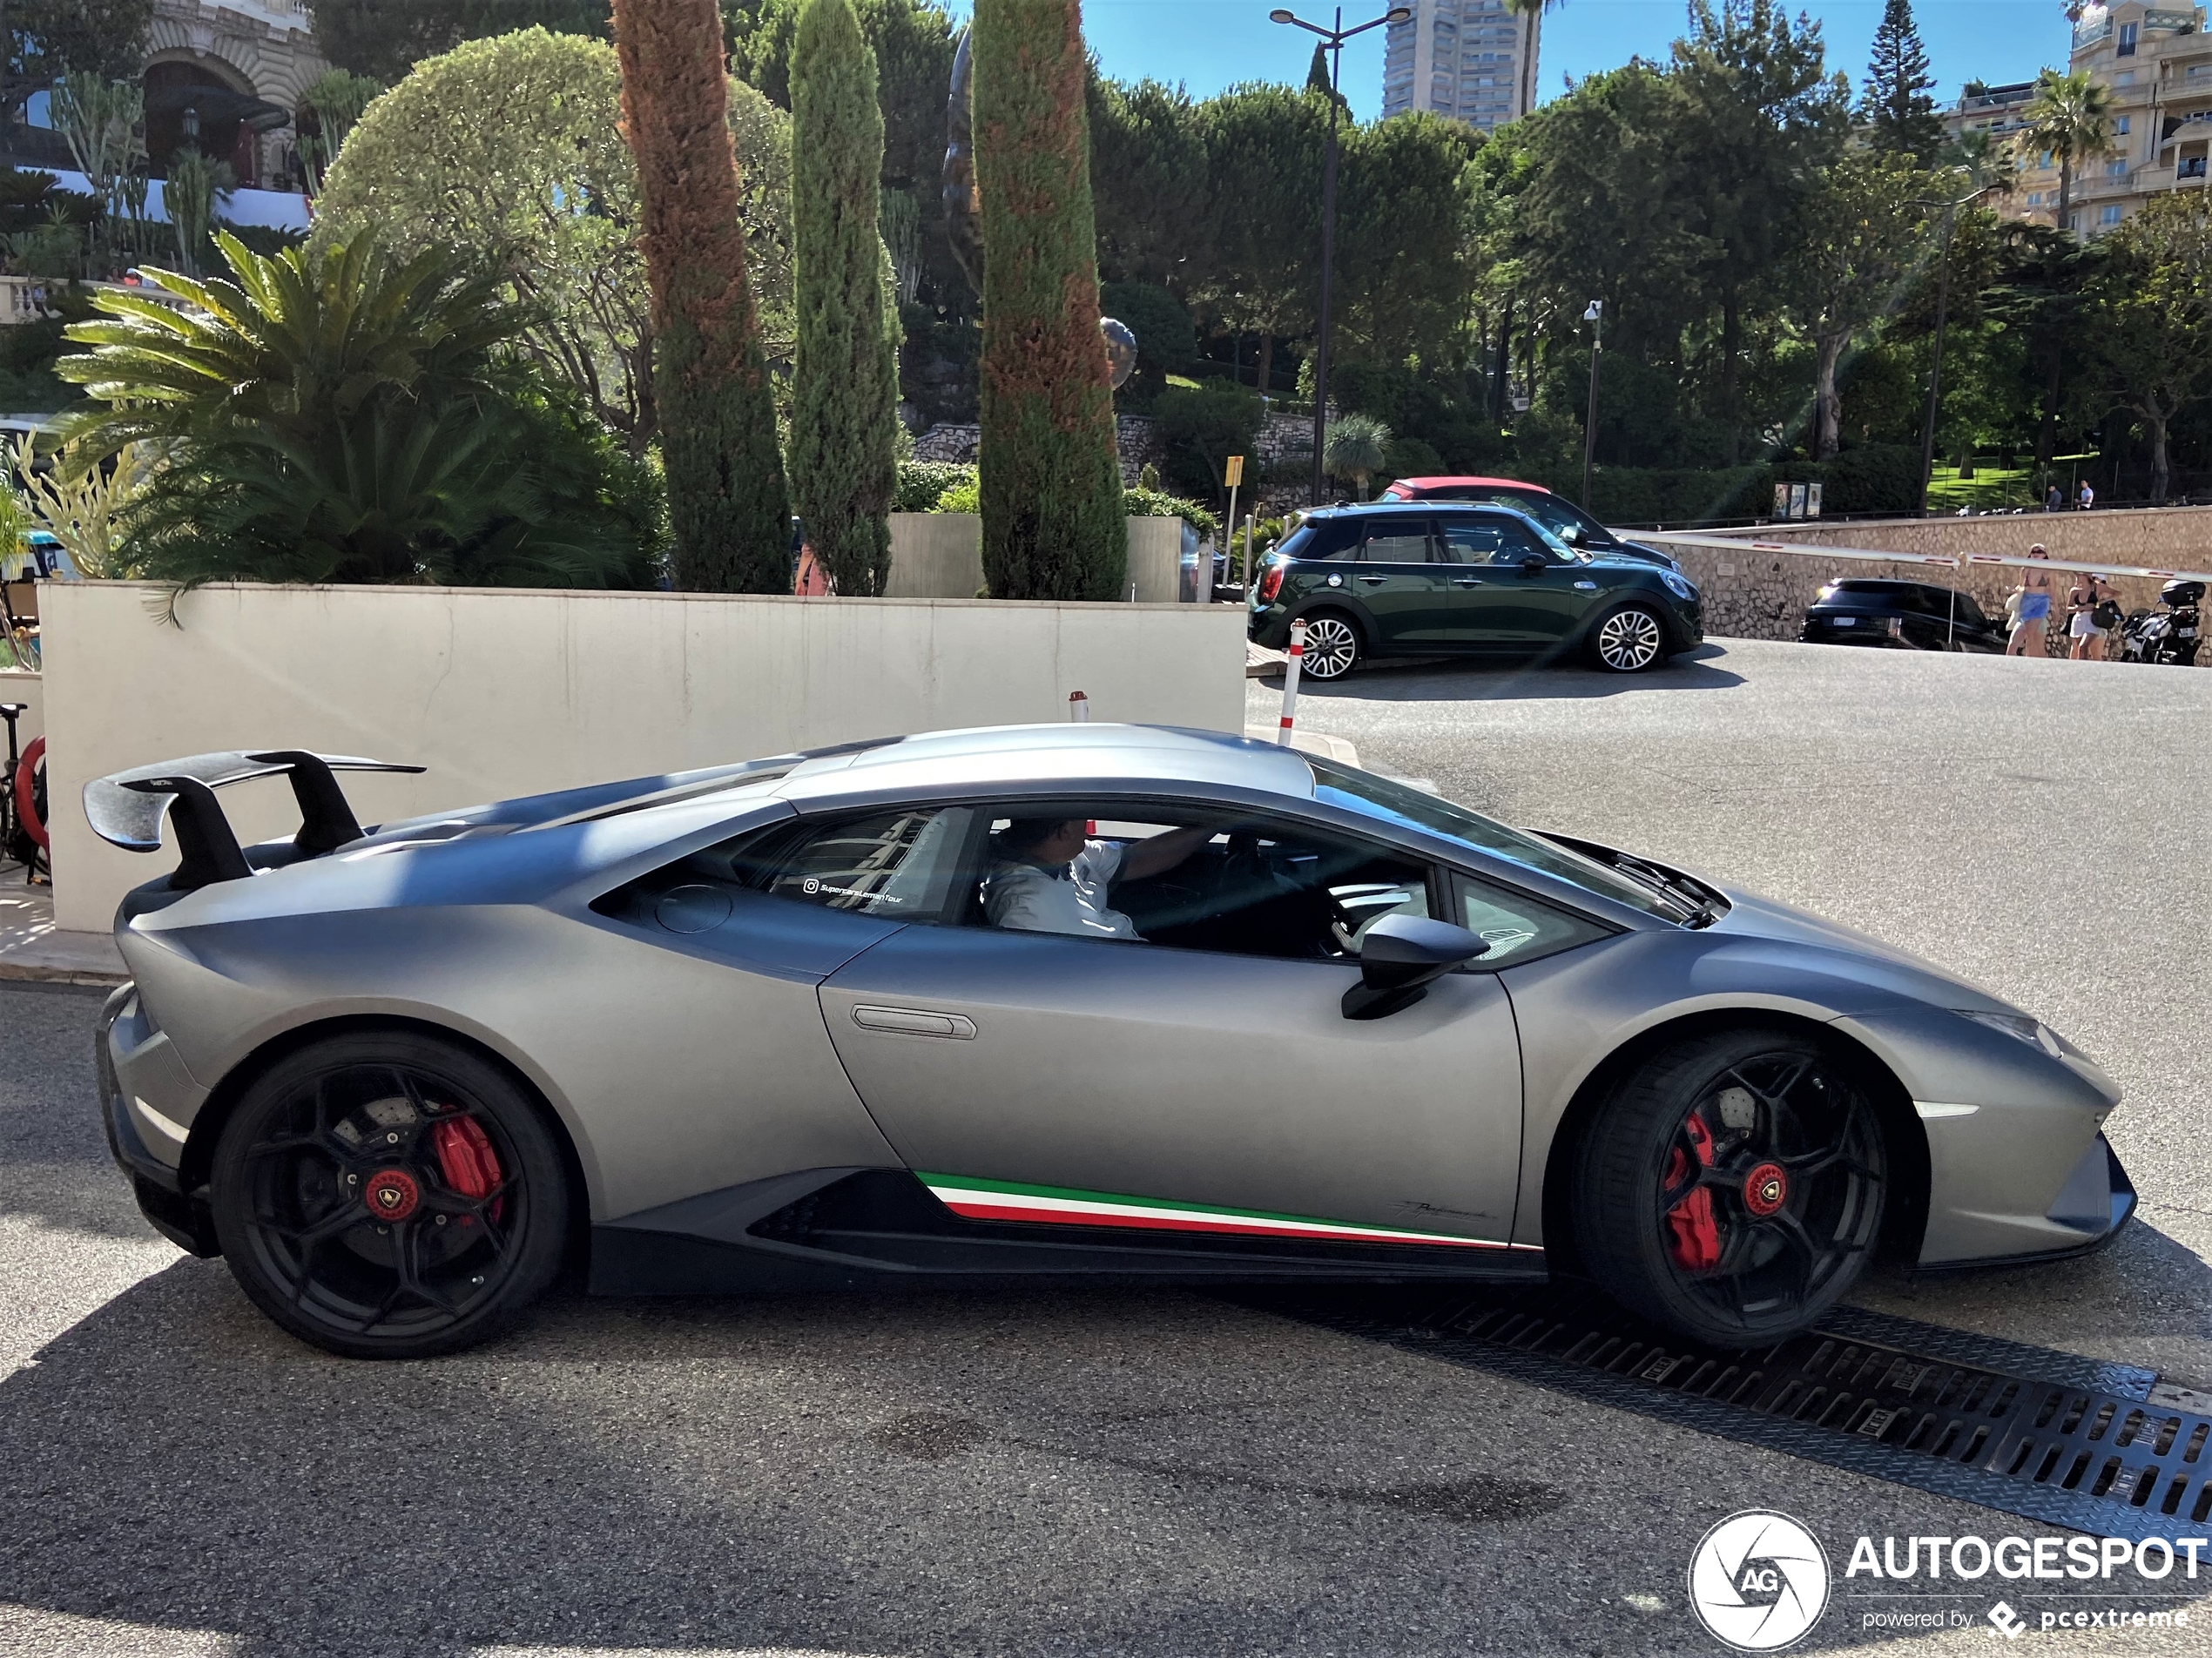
column 1629, row 640
column 1331, row 647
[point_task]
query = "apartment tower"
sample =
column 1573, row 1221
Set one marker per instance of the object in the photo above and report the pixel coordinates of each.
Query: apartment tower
column 1474, row 60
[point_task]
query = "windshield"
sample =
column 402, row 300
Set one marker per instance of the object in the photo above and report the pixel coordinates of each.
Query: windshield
column 1552, row 539
column 1376, row 797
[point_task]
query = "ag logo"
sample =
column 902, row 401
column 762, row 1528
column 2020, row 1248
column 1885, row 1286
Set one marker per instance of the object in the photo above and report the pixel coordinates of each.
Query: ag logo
column 1758, row 1581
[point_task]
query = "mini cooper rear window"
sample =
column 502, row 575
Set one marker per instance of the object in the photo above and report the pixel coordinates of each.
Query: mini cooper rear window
column 1378, row 797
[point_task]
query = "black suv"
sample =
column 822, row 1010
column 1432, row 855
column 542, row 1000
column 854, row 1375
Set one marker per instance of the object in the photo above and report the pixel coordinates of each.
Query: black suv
column 1431, row 579
column 1909, row 616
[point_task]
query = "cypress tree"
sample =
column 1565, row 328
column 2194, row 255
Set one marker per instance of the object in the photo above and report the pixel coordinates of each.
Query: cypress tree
column 1895, row 104
column 845, row 387
column 1053, row 523
column 726, row 503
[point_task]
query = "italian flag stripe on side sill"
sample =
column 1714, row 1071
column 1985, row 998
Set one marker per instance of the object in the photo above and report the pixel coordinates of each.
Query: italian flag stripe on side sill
column 1006, row 1199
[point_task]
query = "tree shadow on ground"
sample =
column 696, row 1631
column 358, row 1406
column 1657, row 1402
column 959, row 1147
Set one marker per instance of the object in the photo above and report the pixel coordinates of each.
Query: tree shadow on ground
column 1431, row 679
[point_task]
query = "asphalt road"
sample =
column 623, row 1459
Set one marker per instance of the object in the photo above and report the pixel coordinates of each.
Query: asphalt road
column 1161, row 1474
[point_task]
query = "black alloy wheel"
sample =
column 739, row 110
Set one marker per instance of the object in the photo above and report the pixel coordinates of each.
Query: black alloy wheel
column 1628, row 640
column 1733, row 1190
column 389, row 1196
column 1332, row 645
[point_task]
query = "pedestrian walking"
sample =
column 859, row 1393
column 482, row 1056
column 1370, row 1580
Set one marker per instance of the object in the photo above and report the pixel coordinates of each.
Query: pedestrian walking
column 2055, row 499
column 2087, row 498
column 2086, row 603
column 2033, row 598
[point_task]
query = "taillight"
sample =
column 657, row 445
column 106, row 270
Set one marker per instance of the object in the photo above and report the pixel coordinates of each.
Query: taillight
column 1271, row 582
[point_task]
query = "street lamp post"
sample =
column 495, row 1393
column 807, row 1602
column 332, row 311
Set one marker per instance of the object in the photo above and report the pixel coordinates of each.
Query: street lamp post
column 1596, row 317
column 1951, row 206
column 1333, row 40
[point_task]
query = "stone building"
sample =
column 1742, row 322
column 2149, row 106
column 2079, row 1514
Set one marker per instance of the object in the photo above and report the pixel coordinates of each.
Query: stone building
column 2155, row 62
column 230, row 76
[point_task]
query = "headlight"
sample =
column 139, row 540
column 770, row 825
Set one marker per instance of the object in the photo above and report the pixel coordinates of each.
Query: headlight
column 2033, row 1032
column 1679, row 585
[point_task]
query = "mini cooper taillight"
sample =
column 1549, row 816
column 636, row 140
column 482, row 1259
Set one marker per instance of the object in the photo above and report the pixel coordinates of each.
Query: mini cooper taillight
column 1270, row 581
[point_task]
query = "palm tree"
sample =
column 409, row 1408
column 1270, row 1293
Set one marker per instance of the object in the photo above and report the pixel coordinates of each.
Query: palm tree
column 337, row 415
column 289, row 344
column 2070, row 120
column 1355, row 449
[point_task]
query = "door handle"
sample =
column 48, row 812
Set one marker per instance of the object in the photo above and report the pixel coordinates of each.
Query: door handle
column 1467, row 581
column 1374, row 578
column 915, row 1022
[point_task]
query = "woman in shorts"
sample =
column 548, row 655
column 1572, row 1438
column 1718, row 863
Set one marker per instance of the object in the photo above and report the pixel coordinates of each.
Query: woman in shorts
column 2081, row 602
column 2034, row 595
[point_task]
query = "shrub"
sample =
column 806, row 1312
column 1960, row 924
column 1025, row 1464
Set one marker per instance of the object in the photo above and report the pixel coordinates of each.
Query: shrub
column 967, row 495
column 922, row 482
column 1158, row 503
column 1199, row 428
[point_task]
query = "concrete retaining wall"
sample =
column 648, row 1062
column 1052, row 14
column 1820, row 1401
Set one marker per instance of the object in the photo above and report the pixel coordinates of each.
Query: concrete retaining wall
column 502, row 692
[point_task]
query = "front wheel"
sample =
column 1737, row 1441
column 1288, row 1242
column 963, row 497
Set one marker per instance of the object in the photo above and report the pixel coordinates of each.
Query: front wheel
column 389, row 1195
column 1733, row 1188
column 1332, row 645
column 1628, row 640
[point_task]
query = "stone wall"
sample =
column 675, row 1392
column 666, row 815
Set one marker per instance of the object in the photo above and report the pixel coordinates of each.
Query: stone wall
column 959, row 443
column 1754, row 595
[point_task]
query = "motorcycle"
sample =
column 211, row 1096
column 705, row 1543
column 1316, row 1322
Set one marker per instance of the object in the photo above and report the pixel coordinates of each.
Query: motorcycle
column 2168, row 636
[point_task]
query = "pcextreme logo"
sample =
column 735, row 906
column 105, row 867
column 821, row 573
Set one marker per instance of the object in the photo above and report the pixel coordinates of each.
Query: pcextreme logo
column 1758, row 1581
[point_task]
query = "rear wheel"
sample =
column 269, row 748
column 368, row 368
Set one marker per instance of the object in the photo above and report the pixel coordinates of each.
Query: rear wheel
column 1628, row 640
column 1332, row 645
column 1732, row 1189
column 389, row 1195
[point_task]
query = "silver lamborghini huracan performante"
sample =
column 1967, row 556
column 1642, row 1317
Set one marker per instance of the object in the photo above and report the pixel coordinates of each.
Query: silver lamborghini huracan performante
column 1030, row 1002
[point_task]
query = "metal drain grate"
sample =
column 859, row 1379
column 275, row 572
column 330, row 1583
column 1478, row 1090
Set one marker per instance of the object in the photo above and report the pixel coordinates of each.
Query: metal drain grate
column 2046, row 1436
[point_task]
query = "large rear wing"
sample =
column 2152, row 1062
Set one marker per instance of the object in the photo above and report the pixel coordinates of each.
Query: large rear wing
column 126, row 809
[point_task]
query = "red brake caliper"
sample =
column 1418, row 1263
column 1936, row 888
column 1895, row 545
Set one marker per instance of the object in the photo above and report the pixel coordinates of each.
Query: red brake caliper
column 469, row 1163
column 1696, row 1240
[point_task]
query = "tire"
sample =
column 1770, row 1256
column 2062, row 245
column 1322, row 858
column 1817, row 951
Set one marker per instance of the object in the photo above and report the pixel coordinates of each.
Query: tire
column 1333, row 647
column 465, row 1165
column 1630, row 639
column 1793, row 1174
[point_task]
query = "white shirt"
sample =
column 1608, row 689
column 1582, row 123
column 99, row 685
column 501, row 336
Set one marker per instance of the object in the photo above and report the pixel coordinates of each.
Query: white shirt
column 1070, row 899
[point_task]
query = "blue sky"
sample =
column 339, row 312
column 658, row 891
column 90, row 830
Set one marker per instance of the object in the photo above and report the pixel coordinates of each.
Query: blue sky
column 1208, row 45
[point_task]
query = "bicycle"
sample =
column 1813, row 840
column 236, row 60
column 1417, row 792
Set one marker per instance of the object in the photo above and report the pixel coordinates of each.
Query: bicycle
column 22, row 804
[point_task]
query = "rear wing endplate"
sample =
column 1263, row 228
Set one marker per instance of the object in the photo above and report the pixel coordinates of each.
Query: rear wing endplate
column 126, row 809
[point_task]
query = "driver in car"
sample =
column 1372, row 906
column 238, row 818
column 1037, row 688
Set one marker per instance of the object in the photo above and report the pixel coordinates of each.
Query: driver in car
column 1049, row 877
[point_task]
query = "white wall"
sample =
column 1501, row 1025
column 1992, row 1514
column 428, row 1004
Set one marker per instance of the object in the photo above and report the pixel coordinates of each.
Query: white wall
column 502, row 692
column 935, row 556
column 1155, row 559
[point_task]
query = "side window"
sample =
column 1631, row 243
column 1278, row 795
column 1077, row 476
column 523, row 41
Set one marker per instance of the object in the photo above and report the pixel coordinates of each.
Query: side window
column 1318, row 539
column 1396, row 541
column 895, row 866
column 1194, row 881
column 1475, row 541
column 1516, row 927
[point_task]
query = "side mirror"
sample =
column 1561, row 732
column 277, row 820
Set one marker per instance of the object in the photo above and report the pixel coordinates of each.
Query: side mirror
column 1531, row 563
column 1400, row 956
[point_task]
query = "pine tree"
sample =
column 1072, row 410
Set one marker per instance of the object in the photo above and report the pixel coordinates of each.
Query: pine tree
column 726, row 503
column 1896, row 107
column 1317, row 79
column 1053, row 523
column 844, row 384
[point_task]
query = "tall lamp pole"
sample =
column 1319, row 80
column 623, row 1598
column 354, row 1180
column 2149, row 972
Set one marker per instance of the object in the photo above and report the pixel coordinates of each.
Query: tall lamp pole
column 1333, row 40
column 1596, row 317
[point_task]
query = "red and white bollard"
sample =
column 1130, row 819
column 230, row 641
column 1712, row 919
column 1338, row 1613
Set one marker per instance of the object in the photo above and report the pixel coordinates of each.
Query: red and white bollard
column 1289, row 682
column 1078, row 708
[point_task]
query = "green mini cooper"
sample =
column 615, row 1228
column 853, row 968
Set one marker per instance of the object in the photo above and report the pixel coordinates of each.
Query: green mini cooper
column 1436, row 579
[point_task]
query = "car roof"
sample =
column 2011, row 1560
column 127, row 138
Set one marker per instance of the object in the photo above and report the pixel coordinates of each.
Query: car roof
column 1358, row 509
column 1883, row 584
column 988, row 758
column 1477, row 483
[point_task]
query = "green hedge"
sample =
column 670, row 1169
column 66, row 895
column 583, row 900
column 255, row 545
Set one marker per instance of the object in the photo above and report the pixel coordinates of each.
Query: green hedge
column 920, row 483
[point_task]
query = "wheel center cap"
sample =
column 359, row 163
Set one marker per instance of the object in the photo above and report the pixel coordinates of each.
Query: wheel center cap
column 391, row 1193
column 1765, row 1189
